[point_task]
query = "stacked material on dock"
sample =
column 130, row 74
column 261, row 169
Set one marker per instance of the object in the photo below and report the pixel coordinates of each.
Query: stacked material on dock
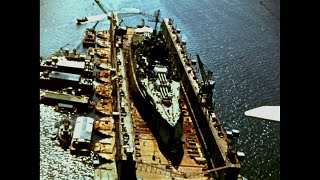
column 103, row 34
column 104, row 76
column 103, row 64
column 104, row 107
column 91, row 51
column 103, row 52
column 55, row 162
column 106, row 148
column 105, row 126
column 103, row 43
column 104, row 90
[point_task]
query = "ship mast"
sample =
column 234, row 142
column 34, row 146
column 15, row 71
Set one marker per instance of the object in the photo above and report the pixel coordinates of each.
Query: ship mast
column 156, row 20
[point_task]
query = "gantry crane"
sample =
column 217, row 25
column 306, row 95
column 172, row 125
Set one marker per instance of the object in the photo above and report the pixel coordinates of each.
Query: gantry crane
column 153, row 18
column 207, row 84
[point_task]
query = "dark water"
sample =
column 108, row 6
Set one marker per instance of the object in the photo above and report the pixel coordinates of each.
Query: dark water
column 238, row 40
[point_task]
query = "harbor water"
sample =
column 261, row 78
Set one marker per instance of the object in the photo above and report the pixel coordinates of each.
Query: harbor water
column 238, row 40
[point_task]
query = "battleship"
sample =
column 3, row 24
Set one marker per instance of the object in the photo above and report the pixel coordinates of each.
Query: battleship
column 157, row 88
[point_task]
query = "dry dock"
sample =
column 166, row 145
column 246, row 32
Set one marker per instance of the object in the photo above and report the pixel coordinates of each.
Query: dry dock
column 150, row 162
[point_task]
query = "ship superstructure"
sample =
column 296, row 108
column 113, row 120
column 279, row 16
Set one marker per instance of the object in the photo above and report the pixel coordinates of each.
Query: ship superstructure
column 164, row 94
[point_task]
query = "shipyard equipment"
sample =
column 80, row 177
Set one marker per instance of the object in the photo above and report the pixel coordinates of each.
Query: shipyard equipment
column 81, row 139
column 207, row 85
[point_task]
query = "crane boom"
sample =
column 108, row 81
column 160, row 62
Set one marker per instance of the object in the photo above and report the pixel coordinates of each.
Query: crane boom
column 101, row 6
column 156, row 20
column 94, row 27
column 207, row 85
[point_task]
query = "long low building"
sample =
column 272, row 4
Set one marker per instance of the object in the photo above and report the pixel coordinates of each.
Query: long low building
column 53, row 98
column 55, row 80
column 62, row 64
column 76, row 67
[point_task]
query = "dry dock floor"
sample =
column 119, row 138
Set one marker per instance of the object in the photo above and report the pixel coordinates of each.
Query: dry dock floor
column 151, row 164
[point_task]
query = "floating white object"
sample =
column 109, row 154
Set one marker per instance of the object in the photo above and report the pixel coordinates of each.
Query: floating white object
column 265, row 112
column 95, row 18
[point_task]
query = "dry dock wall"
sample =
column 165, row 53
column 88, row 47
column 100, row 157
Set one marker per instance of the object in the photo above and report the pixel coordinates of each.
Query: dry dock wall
column 204, row 123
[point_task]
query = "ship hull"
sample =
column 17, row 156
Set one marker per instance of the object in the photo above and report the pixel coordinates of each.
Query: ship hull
column 168, row 137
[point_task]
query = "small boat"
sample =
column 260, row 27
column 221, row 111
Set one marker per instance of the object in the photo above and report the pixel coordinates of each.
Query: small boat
column 65, row 132
column 90, row 19
column 82, row 20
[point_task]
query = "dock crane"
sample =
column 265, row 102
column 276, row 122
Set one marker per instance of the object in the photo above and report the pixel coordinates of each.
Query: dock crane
column 94, row 26
column 156, row 19
column 89, row 38
column 207, row 85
